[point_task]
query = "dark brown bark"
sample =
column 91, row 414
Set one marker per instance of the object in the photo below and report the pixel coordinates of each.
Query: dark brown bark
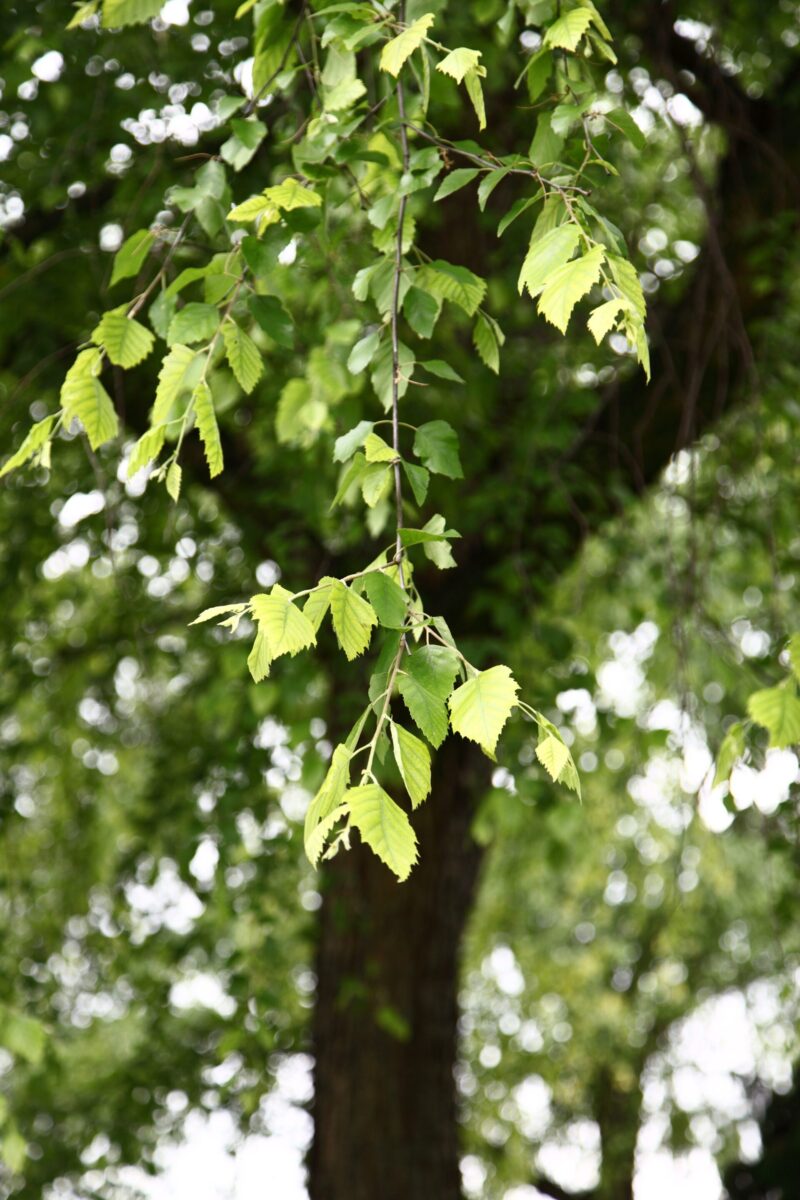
column 385, row 1025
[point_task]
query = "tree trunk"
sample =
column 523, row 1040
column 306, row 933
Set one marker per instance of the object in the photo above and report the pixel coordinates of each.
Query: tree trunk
column 618, row 1113
column 385, row 1029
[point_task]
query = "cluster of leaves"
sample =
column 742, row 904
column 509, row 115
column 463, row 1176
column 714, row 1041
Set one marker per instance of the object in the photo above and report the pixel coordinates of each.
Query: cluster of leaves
column 774, row 709
column 373, row 157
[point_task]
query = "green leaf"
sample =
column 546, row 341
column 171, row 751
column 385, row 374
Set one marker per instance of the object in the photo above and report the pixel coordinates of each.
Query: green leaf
column 131, row 255
column 438, row 550
column 345, row 446
column 434, row 531
column 553, row 754
column 82, row 13
column 436, row 444
column 603, row 318
column 427, row 680
column 547, row 144
column 171, row 381
column 625, row 277
column 363, row 352
column 290, row 194
column 455, row 181
column 458, row 62
column 243, row 356
column 489, row 183
column 251, row 209
column 353, row 619
column 273, row 319
column 545, row 255
column 24, row 1036
column 219, row 610
column 567, row 31
column 732, row 748
column 174, row 480
column 384, row 827
column 375, row 483
column 387, row 598
column 446, row 281
column 124, row 340
column 326, row 808
column 13, row 1149
column 288, row 629
column 623, row 120
column 193, row 323
column 187, row 275
column 247, row 136
column 37, row 436
column 396, row 51
column 147, row 449
column 207, row 427
column 570, row 284
column 319, row 602
column 413, row 762
column 351, row 477
column 419, row 479
column 442, row 370
column 472, row 82
column 778, row 710
column 161, row 312
column 118, row 13
column 793, row 649
column 84, row 398
column 376, row 450
column 538, row 72
column 260, row 657
column 488, row 337
column 480, row 707
column 421, row 310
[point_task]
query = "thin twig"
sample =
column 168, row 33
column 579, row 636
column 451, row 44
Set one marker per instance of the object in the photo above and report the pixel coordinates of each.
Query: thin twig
column 398, row 270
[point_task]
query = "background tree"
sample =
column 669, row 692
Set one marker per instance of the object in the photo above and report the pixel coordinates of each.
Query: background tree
column 167, row 740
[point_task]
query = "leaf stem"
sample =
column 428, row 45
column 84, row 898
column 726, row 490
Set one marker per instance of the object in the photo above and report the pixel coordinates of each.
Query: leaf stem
column 395, row 316
column 384, row 711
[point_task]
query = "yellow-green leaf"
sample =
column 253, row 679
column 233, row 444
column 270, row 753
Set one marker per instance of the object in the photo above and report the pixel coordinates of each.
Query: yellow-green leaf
column 171, row 381
column 147, row 449
column 290, row 194
column 778, row 710
column 320, row 817
column 118, row 13
column 458, row 62
column 395, row 52
column 472, row 82
column 84, row 398
column 545, row 255
column 384, row 827
column 288, row 629
column 319, row 602
column 603, row 318
column 353, row 619
column 36, row 437
column 243, row 356
column 260, row 657
column 568, row 285
column 568, row 30
column 480, row 707
column 413, row 762
column 553, row 755
column 207, row 427
column 732, row 748
column 124, row 340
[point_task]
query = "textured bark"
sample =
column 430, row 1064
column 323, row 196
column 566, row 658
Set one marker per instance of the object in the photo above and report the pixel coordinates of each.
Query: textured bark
column 385, row 1026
